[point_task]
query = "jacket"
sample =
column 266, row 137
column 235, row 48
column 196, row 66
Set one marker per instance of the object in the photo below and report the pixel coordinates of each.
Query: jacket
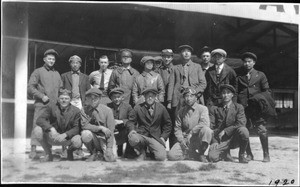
column 123, row 78
column 212, row 94
column 64, row 122
column 84, row 84
column 196, row 79
column 147, row 80
column 245, row 89
column 157, row 126
column 229, row 122
column 44, row 81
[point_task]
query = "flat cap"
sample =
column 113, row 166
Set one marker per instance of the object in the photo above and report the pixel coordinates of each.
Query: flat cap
column 219, row 51
column 75, row 58
column 94, row 91
column 205, row 49
column 146, row 58
column 158, row 58
column 147, row 90
column 249, row 55
column 190, row 90
column 52, row 52
column 167, row 52
column 180, row 48
column 227, row 86
column 116, row 91
column 64, row 92
column 126, row 52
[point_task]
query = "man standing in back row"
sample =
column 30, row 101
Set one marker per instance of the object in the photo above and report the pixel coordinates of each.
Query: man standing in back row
column 44, row 84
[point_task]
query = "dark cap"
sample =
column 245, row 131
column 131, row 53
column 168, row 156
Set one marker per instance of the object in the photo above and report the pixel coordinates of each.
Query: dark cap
column 75, row 58
column 227, row 86
column 205, row 49
column 167, row 52
column 146, row 58
column 116, row 91
column 219, row 51
column 190, row 90
column 52, row 52
column 147, row 90
column 94, row 91
column 64, row 92
column 180, row 48
column 126, row 52
column 249, row 55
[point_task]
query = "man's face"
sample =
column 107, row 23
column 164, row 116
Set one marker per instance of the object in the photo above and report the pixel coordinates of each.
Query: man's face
column 167, row 59
column 64, row 100
column 150, row 98
column 205, row 57
column 158, row 63
column 103, row 63
column 190, row 99
column 117, row 98
column 149, row 64
column 92, row 101
column 49, row 60
column 218, row 59
column 75, row 65
column 249, row 63
column 186, row 54
column 126, row 59
column 227, row 95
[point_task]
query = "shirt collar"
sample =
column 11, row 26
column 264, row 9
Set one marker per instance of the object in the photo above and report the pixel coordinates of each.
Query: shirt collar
column 220, row 66
column 49, row 68
column 227, row 105
column 145, row 73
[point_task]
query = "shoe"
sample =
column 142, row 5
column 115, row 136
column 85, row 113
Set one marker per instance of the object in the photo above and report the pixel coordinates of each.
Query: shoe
column 33, row 154
column 228, row 158
column 266, row 158
column 47, row 158
column 70, row 155
column 243, row 160
column 250, row 157
column 92, row 157
column 203, row 159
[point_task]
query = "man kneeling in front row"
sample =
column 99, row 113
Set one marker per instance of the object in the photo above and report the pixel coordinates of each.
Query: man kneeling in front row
column 98, row 125
column 59, row 125
column 228, row 121
column 191, row 130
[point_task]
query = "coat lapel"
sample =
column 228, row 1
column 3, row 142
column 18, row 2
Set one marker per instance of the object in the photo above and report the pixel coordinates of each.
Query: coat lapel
column 146, row 113
column 69, row 76
column 224, row 72
column 253, row 78
column 155, row 113
column 230, row 113
column 213, row 73
column 80, row 78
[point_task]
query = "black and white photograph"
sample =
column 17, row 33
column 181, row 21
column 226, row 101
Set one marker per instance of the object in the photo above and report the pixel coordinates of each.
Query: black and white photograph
column 149, row 93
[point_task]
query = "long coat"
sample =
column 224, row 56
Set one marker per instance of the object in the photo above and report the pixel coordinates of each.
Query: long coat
column 212, row 93
column 157, row 126
column 196, row 80
column 84, row 84
column 246, row 89
column 122, row 113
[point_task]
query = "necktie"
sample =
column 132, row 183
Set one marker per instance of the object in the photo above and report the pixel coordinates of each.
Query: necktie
column 102, row 81
column 151, row 111
column 248, row 76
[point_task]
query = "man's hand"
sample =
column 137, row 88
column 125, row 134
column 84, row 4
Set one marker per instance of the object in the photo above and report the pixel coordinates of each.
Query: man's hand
column 183, row 145
column 213, row 146
column 131, row 133
column 53, row 133
column 169, row 106
column 221, row 134
column 60, row 137
column 118, row 121
column 45, row 99
column 106, row 131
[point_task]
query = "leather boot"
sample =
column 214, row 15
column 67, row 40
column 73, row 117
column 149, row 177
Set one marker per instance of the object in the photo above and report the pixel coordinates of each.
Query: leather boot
column 249, row 153
column 243, row 147
column 202, row 150
column 70, row 153
column 264, row 143
column 120, row 150
column 129, row 152
column 48, row 157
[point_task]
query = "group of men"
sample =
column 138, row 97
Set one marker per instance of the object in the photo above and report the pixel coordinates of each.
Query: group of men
column 199, row 108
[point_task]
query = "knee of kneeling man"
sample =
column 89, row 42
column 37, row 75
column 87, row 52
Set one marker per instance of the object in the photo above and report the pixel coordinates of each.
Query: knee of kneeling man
column 160, row 156
column 244, row 132
column 172, row 157
column 38, row 133
column 212, row 157
column 76, row 141
column 86, row 136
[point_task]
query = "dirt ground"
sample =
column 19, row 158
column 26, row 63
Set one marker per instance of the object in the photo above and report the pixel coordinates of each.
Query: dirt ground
column 283, row 168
